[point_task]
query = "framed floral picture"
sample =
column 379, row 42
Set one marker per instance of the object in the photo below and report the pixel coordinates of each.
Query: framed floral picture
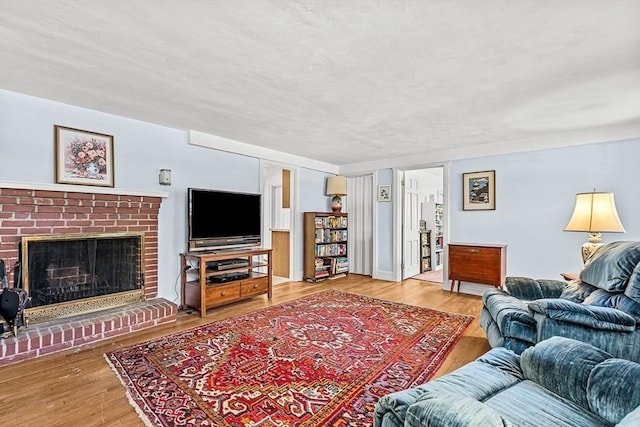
column 83, row 157
column 479, row 191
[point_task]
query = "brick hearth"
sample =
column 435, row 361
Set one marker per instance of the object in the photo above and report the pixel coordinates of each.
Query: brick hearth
column 35, row 209
column 62, row 334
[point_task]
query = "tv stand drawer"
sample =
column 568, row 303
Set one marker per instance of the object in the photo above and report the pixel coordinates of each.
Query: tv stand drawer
column 221, row 293
column 258, row 285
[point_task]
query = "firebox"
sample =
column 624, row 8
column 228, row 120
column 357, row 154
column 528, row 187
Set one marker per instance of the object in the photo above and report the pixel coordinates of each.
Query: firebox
column 73, row 274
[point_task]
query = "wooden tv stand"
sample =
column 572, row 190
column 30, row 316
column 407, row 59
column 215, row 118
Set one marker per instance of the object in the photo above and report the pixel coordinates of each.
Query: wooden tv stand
column 239, row 275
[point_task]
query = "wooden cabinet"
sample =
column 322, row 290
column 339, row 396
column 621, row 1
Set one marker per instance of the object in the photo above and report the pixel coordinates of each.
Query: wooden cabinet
column 477, row 263
column 425, row 251
column 210, row 279
column 325, row 245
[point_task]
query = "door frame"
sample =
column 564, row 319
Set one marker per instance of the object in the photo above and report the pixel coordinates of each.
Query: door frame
column 398, row 238
column 295, row 232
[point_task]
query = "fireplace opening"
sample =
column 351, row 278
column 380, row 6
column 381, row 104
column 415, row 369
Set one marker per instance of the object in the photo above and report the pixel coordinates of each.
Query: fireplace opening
column 72, row 274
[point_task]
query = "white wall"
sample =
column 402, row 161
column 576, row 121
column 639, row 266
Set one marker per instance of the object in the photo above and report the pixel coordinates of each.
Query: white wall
column 535, row 190
column 385, row 252
column 535, row 194
column 141, row 149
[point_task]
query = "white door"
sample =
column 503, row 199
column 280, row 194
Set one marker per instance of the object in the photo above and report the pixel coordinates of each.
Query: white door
column 410, row 226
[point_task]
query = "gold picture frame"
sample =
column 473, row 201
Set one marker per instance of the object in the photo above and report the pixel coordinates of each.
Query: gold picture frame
column 83, row 157
column 479, row 190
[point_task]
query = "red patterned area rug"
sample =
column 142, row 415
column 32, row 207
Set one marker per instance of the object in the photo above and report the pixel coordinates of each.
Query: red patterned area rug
column 322, row 360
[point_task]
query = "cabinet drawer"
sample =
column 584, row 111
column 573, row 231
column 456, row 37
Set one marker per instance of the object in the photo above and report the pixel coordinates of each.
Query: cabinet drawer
column 259, row 285
column 222, row 293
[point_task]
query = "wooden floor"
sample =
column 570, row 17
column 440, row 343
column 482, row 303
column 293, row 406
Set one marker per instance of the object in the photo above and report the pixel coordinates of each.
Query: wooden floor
column 77, row 387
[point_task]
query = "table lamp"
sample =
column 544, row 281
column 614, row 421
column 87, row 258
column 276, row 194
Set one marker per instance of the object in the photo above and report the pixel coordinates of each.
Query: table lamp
column 594, row 213
column 336, row 187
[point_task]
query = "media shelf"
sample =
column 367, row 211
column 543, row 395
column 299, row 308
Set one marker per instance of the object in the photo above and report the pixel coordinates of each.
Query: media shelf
column 325, row 245
column 226, row 277
column 425, row 251
column 433, row 215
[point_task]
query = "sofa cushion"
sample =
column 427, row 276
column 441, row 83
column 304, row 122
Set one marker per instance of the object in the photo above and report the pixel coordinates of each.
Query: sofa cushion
column 529, row 404
column 612, row 390
column 577, row 291
column 528, row 289
column 605, row 318
column 562, row 366
column 602, row 298
column 611, row 266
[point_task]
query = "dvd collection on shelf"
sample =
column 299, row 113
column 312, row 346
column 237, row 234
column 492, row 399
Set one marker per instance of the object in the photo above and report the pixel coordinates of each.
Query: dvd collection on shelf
column 326, row 267
column 326, row 235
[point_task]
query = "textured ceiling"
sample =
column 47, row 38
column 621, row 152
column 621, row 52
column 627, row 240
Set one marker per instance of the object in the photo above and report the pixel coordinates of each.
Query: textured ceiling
column 344, row 82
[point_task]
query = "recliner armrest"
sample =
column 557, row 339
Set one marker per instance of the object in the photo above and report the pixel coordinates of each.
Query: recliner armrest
column 451, row 410
column 526, row 288
column 506, row 308
column 604, row 318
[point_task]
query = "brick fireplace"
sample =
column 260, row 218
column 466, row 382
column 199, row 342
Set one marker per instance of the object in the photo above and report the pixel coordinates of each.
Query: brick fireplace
column 61, row 210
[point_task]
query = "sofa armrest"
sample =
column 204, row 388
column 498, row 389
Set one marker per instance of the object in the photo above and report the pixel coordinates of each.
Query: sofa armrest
column 528, row 289
column 391, row 409
column 604, row 318
column 505, row 308
column 450, row 410
column 495, row 370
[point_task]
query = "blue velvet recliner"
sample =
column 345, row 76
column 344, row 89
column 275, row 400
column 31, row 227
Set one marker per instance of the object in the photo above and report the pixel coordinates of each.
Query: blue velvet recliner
column 559, row 382
column 602, row 307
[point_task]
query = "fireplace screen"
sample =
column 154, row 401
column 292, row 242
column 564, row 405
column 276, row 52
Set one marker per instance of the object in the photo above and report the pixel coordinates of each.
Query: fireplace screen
column 65, row 269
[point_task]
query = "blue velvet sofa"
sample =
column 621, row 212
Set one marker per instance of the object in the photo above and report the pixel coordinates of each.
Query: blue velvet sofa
column 602, row 307
column 558, row 382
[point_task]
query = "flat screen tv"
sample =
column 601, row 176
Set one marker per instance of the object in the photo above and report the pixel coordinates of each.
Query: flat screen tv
column 223, row 220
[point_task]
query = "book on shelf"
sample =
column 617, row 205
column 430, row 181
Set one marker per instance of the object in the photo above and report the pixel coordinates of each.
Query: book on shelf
column 331, row 222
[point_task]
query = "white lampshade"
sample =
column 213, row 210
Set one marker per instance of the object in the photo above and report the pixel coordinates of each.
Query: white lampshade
column 336, row 186
column 595, row 212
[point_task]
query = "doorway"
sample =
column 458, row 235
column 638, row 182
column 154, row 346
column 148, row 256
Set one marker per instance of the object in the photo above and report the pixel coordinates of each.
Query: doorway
column 277, row 224
column 423, row 224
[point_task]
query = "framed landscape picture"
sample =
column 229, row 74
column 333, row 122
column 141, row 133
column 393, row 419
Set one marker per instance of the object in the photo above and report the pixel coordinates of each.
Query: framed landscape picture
column 83, row 157
column 384, row 193
column 479, row 191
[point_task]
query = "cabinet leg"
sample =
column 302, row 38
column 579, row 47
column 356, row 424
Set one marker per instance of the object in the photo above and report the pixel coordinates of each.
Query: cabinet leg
column 453, row 285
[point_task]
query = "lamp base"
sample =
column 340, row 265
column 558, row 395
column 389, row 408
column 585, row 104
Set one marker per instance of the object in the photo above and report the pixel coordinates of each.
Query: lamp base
column 589, row 248
column 336, row 204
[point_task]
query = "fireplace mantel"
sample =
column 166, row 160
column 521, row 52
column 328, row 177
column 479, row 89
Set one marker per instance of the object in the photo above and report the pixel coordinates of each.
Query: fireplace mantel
column 81, row 189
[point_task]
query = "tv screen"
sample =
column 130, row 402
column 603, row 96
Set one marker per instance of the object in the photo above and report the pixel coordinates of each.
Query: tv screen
column 219, row 219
